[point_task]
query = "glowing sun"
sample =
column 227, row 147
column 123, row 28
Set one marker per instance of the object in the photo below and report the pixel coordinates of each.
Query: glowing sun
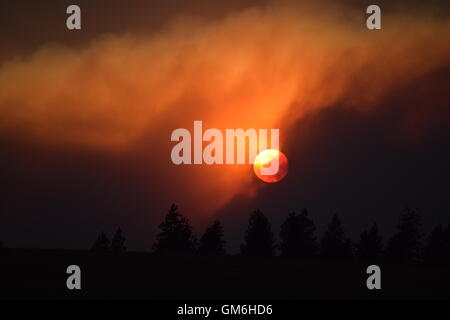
column 264, row 160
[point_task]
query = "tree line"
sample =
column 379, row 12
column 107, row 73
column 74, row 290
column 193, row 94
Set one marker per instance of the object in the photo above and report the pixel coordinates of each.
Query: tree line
column 298, row 240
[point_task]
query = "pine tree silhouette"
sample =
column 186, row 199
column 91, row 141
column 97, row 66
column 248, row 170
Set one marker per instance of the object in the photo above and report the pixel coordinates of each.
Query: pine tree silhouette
column 176, row 234
column 404, row 246
column 334, row 244
column 101, row 244
column 370, row 245
column 212, row 243
column 118, row 242
column 436, row 248
column 297, row 236
column 447, row 245
column 259, row 239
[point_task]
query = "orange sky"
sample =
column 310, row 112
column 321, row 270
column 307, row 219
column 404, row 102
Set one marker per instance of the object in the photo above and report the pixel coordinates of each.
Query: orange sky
column 257, row 68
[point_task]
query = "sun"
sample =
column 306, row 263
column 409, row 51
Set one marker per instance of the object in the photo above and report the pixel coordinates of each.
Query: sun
column 264, row 160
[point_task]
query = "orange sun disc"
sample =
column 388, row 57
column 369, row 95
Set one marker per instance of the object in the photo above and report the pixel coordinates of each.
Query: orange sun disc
column 265, row 162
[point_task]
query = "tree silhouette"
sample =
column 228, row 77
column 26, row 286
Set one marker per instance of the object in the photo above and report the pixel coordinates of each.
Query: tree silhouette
column 259, row 239
column 436, row 249
column 447, row 244
column 334, row 244
column 212, row 243
column 176, row 234
column 297, row 236
column 118, row 242
column 370, row 245
column 101, row 244
column 404, row 246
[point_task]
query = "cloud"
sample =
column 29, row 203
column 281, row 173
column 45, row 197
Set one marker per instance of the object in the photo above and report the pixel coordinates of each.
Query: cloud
column 262, row 67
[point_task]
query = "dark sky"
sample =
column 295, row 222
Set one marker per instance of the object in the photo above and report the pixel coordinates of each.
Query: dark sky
column 364, row 165
column 26, row 25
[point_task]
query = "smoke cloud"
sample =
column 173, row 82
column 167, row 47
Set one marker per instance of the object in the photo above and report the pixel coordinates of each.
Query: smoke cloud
column 263, row 67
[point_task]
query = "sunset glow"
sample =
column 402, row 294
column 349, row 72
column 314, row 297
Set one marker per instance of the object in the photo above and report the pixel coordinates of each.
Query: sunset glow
column 123, row 94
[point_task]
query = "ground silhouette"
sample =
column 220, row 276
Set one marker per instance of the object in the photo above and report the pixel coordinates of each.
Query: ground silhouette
column 179, row 269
